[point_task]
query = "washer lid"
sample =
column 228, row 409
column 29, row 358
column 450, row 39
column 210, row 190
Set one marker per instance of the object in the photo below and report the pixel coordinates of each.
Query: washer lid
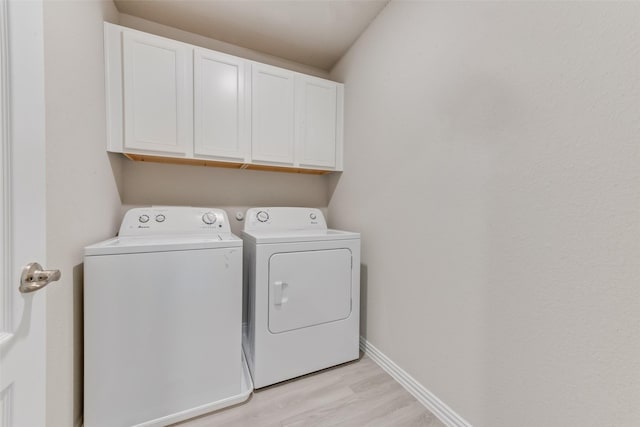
column 291, row 236
column 141, row 244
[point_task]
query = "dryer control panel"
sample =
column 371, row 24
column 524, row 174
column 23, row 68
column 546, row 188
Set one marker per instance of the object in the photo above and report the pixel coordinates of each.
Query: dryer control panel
column 160, row 220
column 284, row 219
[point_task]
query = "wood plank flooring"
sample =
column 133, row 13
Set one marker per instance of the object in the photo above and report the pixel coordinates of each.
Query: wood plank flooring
column 359, row 393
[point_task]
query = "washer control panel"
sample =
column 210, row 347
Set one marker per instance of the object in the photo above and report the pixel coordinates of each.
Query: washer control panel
column 284, row 219
column 159, row 220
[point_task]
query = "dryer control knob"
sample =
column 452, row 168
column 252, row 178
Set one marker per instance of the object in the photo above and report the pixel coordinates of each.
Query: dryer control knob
column 144, row 218
column 262, row 216
column 209, row 218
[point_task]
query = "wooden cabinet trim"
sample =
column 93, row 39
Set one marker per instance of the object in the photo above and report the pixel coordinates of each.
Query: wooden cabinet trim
column 221, row 164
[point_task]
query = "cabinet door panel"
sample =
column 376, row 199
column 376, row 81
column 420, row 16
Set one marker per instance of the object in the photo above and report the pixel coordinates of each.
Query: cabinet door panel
column 316, row 118
column 219, row 105
column 272, row 118
column 157, row 94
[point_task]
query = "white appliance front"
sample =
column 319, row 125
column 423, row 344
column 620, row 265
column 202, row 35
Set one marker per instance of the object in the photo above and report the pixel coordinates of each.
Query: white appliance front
column 309, row 288
column 162, row 330
column 302, row 297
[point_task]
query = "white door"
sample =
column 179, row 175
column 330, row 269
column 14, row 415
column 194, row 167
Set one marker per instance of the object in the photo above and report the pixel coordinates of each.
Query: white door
column 308, row 288
column 22, row 213
column 158, row 94
column 272, row 114
column 316, row 119
column 219, row 105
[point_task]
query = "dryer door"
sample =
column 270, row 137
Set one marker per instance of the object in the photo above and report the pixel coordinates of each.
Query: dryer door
column 308, row 288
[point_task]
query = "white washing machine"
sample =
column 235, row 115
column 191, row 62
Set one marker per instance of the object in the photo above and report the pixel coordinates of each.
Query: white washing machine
column 162, row 319
column 302, row 291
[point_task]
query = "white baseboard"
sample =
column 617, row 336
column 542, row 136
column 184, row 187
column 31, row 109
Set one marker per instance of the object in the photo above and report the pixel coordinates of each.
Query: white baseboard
column 447, row 415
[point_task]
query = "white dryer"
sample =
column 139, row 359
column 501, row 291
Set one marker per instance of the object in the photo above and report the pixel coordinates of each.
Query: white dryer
column 162, row 319
column 302, row 294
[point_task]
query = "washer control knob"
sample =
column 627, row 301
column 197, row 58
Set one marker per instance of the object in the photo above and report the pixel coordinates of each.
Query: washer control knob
column 160, row 218
column 312, row 216
column 262, row 216
column 209, row 218
column 144, row 219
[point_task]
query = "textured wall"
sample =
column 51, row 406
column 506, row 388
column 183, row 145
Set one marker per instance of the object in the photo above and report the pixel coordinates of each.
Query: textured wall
column 165, row 184
column 498, row 144
column 83, row 202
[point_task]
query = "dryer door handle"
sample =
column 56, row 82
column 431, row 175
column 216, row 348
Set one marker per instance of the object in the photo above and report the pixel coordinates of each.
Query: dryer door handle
column 278, row 292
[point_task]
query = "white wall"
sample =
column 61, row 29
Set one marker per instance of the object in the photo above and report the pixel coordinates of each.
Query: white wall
column 83, row 202
column 498, row 142
column 230, row 189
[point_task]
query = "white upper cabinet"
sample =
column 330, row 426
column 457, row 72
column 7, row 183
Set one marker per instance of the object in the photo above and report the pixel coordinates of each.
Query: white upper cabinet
column 316, row 118
column 219, row 105
column 176, row 101
column 272, row 114
column 157, row 94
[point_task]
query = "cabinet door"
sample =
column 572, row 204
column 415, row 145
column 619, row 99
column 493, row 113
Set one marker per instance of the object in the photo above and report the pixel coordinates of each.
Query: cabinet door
column 219, row 105
column 272, row 114
column 316, row 122
column 158, row 90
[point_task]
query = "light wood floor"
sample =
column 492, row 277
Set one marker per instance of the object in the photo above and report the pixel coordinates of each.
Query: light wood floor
column 359, row 393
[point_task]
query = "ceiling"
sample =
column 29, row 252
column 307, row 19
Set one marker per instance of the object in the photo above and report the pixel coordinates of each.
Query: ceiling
column 310, row 32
